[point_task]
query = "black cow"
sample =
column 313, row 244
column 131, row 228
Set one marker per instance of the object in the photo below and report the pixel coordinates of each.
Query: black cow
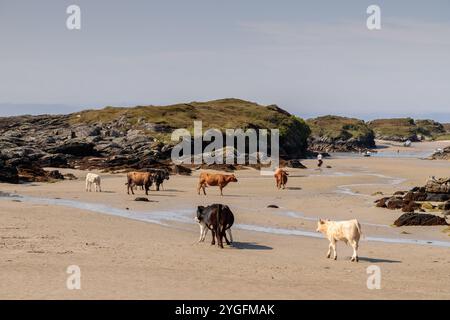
column 159, row 176
column 218, row 218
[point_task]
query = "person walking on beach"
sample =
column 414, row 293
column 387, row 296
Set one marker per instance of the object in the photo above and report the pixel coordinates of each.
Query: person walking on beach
column 319, row 161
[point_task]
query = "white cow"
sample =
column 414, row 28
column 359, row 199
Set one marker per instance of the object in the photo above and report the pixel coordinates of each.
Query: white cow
column 92, row 178
column 347, row 231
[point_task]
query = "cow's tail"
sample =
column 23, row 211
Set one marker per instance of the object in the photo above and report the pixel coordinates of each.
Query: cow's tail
column 219, row 211
column 358, row 226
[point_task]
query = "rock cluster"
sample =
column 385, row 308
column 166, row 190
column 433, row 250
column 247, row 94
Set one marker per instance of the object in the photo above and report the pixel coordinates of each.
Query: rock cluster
column 30, row 143
column 434, row 197
column 441, row 154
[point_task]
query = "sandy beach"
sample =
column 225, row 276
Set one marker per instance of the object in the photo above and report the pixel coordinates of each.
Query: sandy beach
column 148, row 250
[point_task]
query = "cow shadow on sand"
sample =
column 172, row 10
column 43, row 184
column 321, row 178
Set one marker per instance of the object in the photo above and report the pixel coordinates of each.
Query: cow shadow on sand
column 249, row 246
column 376, row 260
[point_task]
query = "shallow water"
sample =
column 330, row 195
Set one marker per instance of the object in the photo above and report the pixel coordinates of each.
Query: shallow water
column 187, row 216
column 347, row 188
column 385, row 154
column 293, row 214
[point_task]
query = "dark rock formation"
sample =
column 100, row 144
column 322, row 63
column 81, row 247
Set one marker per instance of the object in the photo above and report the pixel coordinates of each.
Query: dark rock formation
column 37, row 174
column 419, row 219
column 8, row 174
column 295, row 163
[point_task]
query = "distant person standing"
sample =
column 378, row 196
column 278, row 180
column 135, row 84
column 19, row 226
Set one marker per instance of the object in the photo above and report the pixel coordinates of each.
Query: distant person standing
column 319, row 160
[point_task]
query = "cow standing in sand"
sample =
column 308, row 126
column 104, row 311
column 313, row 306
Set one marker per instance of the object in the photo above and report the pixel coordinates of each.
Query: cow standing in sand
column 93, row 179
column 214, row 179
column 143, row 179
column 347, row 231
column 281, row 178
column 218, row 218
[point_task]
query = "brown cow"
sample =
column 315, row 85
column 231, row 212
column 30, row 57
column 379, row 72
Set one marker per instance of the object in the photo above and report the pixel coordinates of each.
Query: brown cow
column 215, row 179
column 143, row 179
column 281, row 178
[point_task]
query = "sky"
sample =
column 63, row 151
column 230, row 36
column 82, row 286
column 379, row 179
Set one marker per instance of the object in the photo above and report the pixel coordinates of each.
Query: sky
column 309, row 57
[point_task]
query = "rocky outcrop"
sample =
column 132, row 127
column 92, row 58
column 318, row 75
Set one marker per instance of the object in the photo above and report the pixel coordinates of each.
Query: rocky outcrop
column 443, row 154
column 130, row 138
column 339, row 134
column 441, row 186
column 404, row 129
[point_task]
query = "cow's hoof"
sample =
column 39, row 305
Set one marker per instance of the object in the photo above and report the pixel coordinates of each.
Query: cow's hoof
column 335, row 258
column 328, row 256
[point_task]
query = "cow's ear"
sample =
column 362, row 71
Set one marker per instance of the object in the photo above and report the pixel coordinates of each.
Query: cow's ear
column 321, row 221
column 200, row 208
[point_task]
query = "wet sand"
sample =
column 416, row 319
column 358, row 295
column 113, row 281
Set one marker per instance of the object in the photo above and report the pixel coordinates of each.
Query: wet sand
column 138, row 250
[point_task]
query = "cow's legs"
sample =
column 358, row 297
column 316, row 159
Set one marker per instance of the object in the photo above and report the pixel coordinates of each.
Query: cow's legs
column 201, row 234
column 213, row 242
column 355, row 251
column 225, row 236
column 199, row 187
column 205, row 232
column 130, row 187
column 329, row 251
column 221, row 193
column 219, row 236
column 333, row 244
column 230, row 234
column 87, row 186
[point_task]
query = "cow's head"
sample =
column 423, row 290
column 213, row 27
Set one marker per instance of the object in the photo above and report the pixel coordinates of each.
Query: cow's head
column 321, row 226
column 199, row 216
column 232, row 178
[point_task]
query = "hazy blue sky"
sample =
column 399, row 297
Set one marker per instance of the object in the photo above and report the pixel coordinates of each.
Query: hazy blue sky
column 309, row 57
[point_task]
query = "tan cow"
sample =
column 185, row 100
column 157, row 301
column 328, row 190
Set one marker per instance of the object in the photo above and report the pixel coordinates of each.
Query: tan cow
column 347, row 231
column 281, row 178
column 143, row 179
column 214, row 179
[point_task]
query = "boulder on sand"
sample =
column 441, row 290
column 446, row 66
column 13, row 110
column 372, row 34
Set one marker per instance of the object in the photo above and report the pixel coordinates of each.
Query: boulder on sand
column 295, row 163
column 410, row 206
column 419, row 219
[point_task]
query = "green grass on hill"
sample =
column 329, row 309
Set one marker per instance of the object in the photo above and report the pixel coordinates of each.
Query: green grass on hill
column 219, row 114
column 406, row 128
column 336, row 127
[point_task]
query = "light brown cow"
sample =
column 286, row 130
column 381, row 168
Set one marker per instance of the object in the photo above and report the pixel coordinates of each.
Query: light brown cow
column 143, row 179
column 347, row 231
column 214, row 179
column 281, row 178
